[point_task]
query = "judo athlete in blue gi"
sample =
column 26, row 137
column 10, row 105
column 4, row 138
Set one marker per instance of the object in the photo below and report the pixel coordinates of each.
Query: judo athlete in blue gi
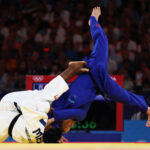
column 75, row 103
column 98, row 68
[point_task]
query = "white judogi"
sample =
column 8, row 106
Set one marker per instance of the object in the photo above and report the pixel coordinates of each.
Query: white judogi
column 34, row 106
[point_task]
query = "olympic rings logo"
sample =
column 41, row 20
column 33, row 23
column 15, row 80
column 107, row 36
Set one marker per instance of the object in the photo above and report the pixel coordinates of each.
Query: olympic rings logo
column 37, row 78
column 114, row 78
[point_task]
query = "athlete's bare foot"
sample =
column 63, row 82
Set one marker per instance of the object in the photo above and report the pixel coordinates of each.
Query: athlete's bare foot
column 148, row 120
column 96, row 12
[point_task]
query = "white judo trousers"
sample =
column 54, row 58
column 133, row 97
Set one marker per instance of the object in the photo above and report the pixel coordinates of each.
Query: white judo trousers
column 34, row 106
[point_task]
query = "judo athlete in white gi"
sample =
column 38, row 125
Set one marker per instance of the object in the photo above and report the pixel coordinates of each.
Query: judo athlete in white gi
column 24, row 114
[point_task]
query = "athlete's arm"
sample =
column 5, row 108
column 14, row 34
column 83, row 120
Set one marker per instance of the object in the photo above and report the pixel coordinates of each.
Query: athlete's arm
column 95, row 27
column 75, row 114
column 54, row 89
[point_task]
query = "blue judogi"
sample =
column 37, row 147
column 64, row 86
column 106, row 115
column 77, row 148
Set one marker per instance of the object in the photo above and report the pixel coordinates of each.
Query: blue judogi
column 98, row 68
column 76, row 102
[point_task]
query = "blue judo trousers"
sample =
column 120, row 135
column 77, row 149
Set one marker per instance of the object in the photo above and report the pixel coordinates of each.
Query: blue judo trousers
column 75, row 103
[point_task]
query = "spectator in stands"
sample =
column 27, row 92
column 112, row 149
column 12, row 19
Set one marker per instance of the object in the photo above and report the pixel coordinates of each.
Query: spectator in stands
column 29, row 26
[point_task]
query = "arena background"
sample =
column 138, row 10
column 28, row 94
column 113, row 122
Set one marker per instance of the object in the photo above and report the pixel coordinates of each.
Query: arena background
column 39, row 37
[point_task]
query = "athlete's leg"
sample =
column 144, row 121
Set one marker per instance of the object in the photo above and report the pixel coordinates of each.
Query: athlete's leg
column 118, row 94
column 115, row 92
column 5, row 119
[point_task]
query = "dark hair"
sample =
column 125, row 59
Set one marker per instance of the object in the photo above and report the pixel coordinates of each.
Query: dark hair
column 52, row 135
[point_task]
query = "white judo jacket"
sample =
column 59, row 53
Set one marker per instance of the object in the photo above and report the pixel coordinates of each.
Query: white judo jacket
column 34, row 106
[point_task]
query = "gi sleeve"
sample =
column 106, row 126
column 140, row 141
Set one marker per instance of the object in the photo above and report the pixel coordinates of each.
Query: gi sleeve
column 34, row 119
column 54, row 89
column 75, row 114
column 96, row 30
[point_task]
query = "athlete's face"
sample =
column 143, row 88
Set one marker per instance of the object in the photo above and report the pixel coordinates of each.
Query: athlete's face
column 66, row 125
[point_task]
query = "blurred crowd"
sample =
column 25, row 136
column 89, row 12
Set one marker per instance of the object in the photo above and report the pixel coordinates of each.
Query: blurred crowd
column 42, row 36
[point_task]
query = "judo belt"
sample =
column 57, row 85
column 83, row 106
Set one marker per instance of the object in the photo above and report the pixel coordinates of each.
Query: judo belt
column 96, row 85
column 13, row 122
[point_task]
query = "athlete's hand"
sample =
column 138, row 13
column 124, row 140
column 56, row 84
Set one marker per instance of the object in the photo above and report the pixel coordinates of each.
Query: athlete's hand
column 63, row 140
column 96, row 12
column 76, row 64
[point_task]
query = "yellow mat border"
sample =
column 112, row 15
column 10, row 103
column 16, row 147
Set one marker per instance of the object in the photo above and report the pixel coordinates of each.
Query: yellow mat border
column 74, row 145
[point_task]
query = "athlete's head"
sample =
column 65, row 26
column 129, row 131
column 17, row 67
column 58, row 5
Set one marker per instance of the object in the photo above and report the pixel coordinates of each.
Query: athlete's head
column 52, row 135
